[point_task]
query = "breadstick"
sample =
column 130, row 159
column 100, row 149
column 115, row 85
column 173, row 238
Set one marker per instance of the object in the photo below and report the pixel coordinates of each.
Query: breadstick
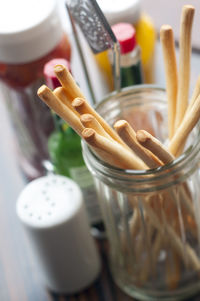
column 186, row 252
column 61, row 93
column 184, row 62
column 89, row 121
column 112, row 152
column 167, row 41
column 158, row 149
column 67, row 81
column 195, row 94
column 155, row 146
column 185, row 128
column 83, row 107
column 59, row 108
column 128, row 135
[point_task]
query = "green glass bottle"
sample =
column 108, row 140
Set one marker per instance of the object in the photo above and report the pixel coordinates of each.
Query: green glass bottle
column 130, row 57
column 65, row 152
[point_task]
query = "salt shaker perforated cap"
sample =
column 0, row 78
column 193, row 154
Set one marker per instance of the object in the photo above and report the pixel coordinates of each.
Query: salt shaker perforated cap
column 53, row 215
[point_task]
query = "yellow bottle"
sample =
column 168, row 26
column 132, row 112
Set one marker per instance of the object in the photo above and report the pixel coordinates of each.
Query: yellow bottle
column 130, row 11
column 146, row 38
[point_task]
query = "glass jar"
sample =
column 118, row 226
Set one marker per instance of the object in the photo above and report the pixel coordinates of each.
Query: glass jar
column 25, row 47
column 152, row 217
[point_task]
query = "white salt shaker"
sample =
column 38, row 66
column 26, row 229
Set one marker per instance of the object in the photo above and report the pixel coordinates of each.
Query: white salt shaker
column 52, row 212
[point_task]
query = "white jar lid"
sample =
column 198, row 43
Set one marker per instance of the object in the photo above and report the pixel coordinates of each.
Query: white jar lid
column 121, row 10
column 29, row 29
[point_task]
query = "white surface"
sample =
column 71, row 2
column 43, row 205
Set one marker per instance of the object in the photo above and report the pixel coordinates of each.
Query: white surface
column 28, row 29
column 49, row 201
column 121, row 11
column 23, row 14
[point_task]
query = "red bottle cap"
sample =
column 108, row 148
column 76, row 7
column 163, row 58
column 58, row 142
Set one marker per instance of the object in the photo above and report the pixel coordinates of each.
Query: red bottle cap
column 51, row 80
column 125, row 34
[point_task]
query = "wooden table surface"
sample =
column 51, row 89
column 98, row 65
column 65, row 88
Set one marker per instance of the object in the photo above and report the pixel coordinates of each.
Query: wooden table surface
column 19, row 279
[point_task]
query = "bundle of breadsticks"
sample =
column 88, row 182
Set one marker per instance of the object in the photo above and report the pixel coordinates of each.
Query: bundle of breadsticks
column 124, row 148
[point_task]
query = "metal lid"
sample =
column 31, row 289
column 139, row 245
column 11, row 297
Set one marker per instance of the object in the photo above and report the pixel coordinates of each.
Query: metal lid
column 28, row 29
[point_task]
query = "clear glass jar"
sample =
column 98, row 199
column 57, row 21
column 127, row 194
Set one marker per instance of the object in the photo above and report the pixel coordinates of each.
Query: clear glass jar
column 152, row 217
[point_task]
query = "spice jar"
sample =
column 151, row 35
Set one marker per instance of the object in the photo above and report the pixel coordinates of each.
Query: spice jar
column 34, row 36
column 151, row 216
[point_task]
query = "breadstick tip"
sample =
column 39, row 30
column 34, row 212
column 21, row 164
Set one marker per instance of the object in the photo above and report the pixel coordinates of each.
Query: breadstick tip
column 78, row 102
column 120, row 123
column 43, row 92
column 165, row 27
column 57, row 90
column 89, row 135
column 187, row 12
column 59, row 68
column 142, row 136
column 188, row 7
column 86, row 118
column 166, row 32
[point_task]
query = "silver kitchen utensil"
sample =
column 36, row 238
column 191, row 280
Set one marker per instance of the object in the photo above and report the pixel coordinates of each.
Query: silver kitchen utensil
column 97, row 31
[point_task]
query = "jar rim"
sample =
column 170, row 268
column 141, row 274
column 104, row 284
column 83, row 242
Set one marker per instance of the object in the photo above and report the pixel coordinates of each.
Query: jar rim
column 177, row 164
column 144, row 172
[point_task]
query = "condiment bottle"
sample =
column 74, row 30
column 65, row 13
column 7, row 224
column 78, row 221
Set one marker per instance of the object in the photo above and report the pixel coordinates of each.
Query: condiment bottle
column 130, row 59
column 65, row 151
column 130, row 11
column 31, row 33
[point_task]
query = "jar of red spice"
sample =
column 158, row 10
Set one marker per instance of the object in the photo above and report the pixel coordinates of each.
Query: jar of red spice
column 31, row 33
